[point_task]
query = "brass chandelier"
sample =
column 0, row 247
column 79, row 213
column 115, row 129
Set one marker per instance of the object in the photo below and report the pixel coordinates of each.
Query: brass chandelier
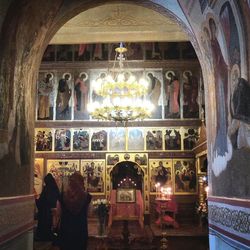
column 123, row 98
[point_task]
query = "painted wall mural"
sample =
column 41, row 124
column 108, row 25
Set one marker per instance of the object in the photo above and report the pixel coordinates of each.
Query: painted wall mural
column 115, row 139
column 191, row 136
column 62, row 139
column 43, row 139
column 172, row 95
column 81, row 96
column 80, row 140
column 45, row 88
column 222, row 148
column 99, row 140
column 154, row 139
column 65, row 95
column 63, row 98
column 61, row 169
column 135, row 139
column 185, row 179
column 94, row 173
column 172, row 138
column 160, row 173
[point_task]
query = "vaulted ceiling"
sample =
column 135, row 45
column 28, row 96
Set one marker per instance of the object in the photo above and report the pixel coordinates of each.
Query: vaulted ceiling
column 119, row 22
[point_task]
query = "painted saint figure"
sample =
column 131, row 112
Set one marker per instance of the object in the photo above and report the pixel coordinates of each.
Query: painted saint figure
column 221, row 81
column 173, row 95
column 63, row 96
column 81, row 93
column 154, row 94
column 162, row 175
column 190, row 96
column 45, row 88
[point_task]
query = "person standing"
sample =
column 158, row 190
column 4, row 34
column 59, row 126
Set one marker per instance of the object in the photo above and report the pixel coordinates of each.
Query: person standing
column 73, row 212
column 45, row 205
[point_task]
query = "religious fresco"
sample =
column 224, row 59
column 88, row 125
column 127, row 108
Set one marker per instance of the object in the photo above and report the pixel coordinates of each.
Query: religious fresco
column 135, row 139
column 96, row 76
column 99, row 140
column 94, row 173
column 117, row 139
column 191, row 136
column 64, row 53
column 155, row 93
column 153, row 139
column 64, row 97
column 185, row 180
column 172, row 95
column 221, row 147
column 154, row 51
column 240, row 128
column 190, row 95
column 46, row 95
column 172, row 139
column 49, row 54
column 82, row 52
column 160, row 174
column 231, row 33
column 81, row 96
column 62, row 139
column 135, row 51
column 106, row 51
column 99, row 52
column 80, row 140
column 38, row 175
column 112, row 159
column 203, row 4
column 43, row 139
column 61, row 169
column 140, row 158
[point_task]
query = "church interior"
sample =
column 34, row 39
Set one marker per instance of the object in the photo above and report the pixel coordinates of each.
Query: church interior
column 163, row 146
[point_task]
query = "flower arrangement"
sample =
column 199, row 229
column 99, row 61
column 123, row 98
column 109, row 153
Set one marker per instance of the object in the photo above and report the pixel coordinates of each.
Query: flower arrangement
column 101, row 208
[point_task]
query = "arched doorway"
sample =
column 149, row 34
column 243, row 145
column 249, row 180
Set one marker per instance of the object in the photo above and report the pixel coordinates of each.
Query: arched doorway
column 17, row 117
column 127, row 174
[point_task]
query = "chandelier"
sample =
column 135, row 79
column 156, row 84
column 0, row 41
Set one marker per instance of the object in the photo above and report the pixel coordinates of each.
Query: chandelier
column 123, row 98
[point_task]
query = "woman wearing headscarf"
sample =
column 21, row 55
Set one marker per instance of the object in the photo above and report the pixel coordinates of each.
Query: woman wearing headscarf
column 45, row 205
column 73, row 211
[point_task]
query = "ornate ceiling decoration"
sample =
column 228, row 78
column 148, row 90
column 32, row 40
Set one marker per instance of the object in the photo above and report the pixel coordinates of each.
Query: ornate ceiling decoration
column 128, row 22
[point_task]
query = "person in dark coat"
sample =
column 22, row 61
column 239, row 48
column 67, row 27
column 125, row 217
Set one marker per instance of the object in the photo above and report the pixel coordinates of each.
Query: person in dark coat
column 45, row 204
column 74, row 205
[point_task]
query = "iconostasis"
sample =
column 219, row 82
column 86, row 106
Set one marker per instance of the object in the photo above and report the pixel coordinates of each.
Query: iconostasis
column 159, row 153
column 179, row 174
column 65, row 95
column 115, row 139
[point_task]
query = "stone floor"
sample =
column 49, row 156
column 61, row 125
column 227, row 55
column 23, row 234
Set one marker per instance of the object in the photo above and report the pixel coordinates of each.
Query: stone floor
column 188, row 237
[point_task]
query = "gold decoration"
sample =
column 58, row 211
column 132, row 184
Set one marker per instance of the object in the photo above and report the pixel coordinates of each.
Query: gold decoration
column 123, row 97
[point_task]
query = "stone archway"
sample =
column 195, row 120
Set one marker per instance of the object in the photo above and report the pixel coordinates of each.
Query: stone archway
column 24, row 38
